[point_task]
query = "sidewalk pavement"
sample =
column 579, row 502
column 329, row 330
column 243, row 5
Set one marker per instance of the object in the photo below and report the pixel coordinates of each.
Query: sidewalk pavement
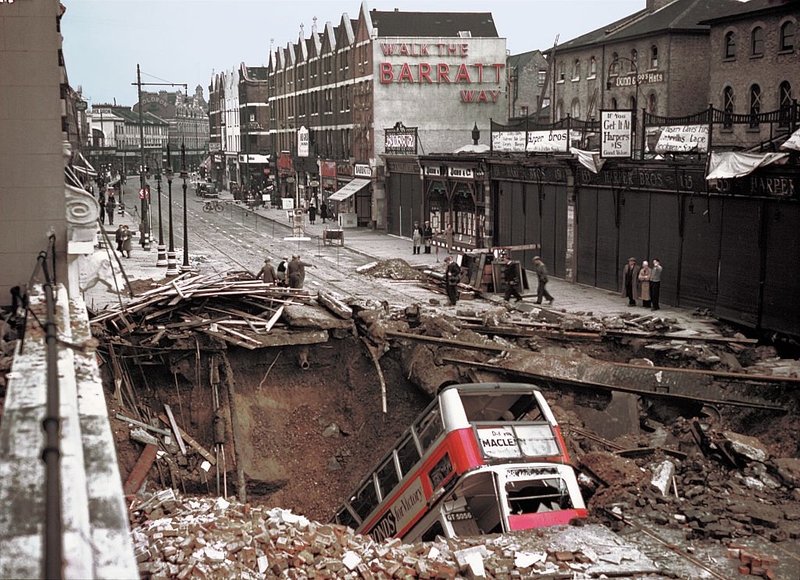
column 378, row 246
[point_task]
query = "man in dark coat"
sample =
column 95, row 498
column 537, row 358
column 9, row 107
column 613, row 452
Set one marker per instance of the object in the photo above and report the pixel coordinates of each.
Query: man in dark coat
column 267, row 272
column 630, row 281
column 427, row 237
column 452, row 276
column 511, row 275
column 296, row 272
column 111, row 204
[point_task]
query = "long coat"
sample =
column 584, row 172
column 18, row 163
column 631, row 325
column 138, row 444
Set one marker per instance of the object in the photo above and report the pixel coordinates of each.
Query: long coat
column 634, row 278
column 644, row 282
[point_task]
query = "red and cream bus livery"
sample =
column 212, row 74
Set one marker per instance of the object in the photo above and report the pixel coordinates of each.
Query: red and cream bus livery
column 482, row 458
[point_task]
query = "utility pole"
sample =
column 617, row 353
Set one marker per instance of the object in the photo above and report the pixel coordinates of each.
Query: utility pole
column 144, row 194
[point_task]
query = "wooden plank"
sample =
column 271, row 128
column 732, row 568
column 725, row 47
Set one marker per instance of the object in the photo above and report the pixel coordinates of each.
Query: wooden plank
column 239, row 334
column 191, row 441
column 228, row 338
column 140, row 469
column 175, row 429
column 142, row 424
column 274, row 319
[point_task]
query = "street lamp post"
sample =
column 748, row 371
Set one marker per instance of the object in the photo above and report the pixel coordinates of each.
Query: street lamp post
column 172, row 263
column 161, row 260
column 610, row 84
column 143, row 195
column 185, row 267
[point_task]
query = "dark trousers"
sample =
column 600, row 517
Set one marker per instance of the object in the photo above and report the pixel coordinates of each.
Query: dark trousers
column 452, row 293
column 655, row 294
column 511, row 290
column 541, row 292
column 427, row 248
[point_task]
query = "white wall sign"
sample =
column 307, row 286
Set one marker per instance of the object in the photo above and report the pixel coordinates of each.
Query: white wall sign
column 616, row 135
column 510, row 141
column 362, row 170
column 682, row 139
column 302, row 142
column 556, row 141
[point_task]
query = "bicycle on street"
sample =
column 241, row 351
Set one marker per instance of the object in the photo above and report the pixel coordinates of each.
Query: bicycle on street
column 213, row 205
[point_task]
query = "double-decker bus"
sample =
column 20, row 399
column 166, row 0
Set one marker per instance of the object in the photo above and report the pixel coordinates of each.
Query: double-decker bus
column 482, row 458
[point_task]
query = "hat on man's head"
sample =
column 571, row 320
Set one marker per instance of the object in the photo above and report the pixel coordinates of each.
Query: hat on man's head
column 267, row 259
column 536, row 258
column 631, row 259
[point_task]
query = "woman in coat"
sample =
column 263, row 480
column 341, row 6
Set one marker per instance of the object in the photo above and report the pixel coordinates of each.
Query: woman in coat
column 126, row 241
column 416, row 237
column 644, row 283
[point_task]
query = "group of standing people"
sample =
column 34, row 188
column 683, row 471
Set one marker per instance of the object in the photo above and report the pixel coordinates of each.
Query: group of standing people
column 642, row 282
column 422, row 236
column 289, row 274
column 123, row 237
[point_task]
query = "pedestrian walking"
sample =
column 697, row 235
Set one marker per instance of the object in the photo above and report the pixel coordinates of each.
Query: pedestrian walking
column 416, row 238
column 101, row 202
column 452, row 276
column 118, row 237
column 427, row 237
column 630, row 281
column 126, row 241
column 323, row 211
column 111, row 204
column 312, row 214
column 644, row 283
column 281, row 272
column 511, row 276
column 267, row 272
column 296, row 272
column 543, row 279
column 655, row 284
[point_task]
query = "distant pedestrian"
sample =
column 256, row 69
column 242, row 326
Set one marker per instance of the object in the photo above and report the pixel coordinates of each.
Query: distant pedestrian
column 126, row 241
column 281, row 272
column 267, row 272
column 655, row 284
column 101, row 202
column 312, row 214
column 416, row 238
column 452, row 276
column 449, row 234
column 630, row 281
column 427, row 237
column 323, row 211
column 111, row 204
column 644, row 283
column 118, row 237
column 511, row 276
column 541, row 275
column 296, row 272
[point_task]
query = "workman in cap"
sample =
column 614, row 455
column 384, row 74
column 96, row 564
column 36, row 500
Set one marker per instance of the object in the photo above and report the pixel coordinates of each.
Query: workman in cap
column 267, row 272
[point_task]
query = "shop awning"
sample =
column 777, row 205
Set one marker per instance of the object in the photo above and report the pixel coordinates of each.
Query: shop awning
column 82, row 165
column 349, row 189
column 793, row 142
column 728, row 164
column 206, row 164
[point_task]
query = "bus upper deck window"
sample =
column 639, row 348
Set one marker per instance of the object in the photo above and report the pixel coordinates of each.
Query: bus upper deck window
column 365, row 500
column 387, row 477
column 408, row 455
column 429, row 428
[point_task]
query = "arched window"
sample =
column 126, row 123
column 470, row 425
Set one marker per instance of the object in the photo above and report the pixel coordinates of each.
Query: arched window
column 730, row 45
column 614, row 64
column 755, row 105
column 560, row 110
column 654, row 56
column 634, row 60
column 784, row 102
column 651, row 104
column 561, row 72
column 614, row 104
column 633, row 104
column 727, row 106
column 593, row 67
column 576, row 70
column 787, row 36
column 757, row 42
column 575, row 109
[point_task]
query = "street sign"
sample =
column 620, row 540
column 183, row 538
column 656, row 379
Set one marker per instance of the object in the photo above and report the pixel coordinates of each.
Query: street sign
column 144, row 193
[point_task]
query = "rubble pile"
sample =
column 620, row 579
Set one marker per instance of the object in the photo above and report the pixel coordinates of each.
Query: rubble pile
column 396, row 269
column 194, row 537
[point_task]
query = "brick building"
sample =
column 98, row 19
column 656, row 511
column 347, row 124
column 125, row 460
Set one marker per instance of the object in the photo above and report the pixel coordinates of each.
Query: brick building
column 754, row 66
column 527, row 73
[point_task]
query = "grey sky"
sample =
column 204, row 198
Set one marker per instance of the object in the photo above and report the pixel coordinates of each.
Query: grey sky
column 186, row 41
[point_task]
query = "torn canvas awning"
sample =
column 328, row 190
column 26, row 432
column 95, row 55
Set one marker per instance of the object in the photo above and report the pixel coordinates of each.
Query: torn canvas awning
column 731, row 164
column 591, row 160
column 793, row 142
column 349, row 189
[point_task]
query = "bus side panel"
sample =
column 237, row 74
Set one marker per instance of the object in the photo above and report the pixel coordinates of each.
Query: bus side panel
column 464, row 451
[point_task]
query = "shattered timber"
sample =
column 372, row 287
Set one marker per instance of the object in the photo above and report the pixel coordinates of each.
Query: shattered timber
column 245, row 413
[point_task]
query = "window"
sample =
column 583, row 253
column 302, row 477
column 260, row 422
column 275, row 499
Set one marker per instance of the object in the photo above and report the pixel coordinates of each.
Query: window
column 730, row 45
column 634, row 60
column 654, row 56
column 576, row 70
column 651, row 104
column 614, row 64
column 633, row 104
column 755, row 105
column 727, row 107
column 541, row 78
column 560, row 110
column 784, row 103
column 787, row 36
column 614, row 104
column 757, row 42
column 575, row 109
column 561, row 73
column 593, row 67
